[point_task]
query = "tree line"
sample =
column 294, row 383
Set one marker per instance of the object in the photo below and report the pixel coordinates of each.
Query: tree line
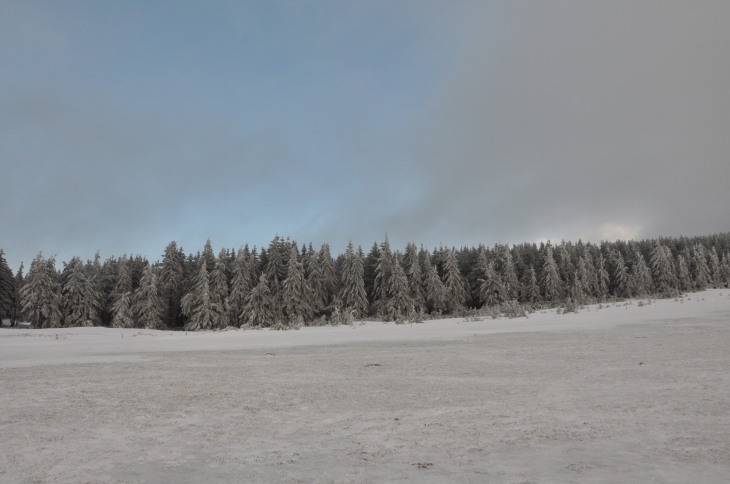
column 286, row 285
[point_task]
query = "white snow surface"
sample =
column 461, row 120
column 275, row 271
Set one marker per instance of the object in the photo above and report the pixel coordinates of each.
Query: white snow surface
column 619, row 394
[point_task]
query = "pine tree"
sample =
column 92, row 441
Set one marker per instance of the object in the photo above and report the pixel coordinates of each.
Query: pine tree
column 41, row 295
column 123, row 316
column 209, row 256
column 80, row 298
column 352, row 293
column 370, row 264
column 147, row 306
column 581, row 282
column 296, row 292
column 197, row 304
column 257, row 311
column 7, row 288
column 550, row 278
column 454, row 283
column 241, row 286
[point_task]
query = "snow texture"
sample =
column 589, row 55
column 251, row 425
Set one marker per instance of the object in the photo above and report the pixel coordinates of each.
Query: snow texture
column 627, row 393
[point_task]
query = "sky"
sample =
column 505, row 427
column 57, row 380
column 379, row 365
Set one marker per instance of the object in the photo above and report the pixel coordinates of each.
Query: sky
column 127, row 125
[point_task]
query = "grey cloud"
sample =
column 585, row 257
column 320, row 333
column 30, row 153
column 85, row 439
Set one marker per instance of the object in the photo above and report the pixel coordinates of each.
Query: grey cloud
column 591, row 119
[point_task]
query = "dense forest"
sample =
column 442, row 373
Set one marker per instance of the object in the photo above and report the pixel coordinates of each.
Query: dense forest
column 286, row 285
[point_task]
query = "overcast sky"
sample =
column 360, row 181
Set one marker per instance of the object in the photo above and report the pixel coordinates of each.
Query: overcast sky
column 126, row 125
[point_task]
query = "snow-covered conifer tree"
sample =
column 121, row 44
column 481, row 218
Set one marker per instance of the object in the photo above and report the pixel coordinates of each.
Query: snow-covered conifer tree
column 257, row 311
column 81, row 303
column 198, row 305
column 602, row 276
column 491, row 290
column 124, row 276
column 218, row 284
column 684, row 280
column 621, row 280
column 296, row 293
column 352, row 293
column 415, row 276
column 331, row 282
column 383, row 273
column 640, row 278
column 507, row 274
column 662, row 268
column 454, row 283
column 41, row 295
column 147, row 303
column 399, row 299
column 7, row 288
column 172, row 280
column 549, row 277
column 701, row 272
column 436, row 294
column 531, row 291
column 123, row 316
column 240, row 286
column 715, row 269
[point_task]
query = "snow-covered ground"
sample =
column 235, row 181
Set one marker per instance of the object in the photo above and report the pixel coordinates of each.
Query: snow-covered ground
column 619, row 394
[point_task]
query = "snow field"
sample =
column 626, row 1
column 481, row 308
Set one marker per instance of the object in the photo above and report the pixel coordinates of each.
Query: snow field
column 619, row 394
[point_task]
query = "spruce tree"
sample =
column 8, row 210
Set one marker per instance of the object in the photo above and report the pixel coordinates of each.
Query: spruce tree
column 399, row 299
column 19, row 283
column 683, row 276
column 491, row 289
column 41, row 295
column 581, row 282
column 454, row 283
column 123, row 316
column 641, row 281
column 701, row 273
column 725, row 269
column 662, row 268
column 124, row 281
column 330, row 280
column 436, row 294
column 297, row 295
column 370, row 264
column 352, row 293
column 257, row 311
column 218, row 284
column 550, row 278
column 81, row 303
column 415, row 277
column 7, row 288
column 240, row 287
column 715, row 269
column 531, row 291
column 172, row 282
column 148, row 304
column 621, row 279
column 383, row 274
column 602, row 276
column 508, row 275
column 197, row 304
